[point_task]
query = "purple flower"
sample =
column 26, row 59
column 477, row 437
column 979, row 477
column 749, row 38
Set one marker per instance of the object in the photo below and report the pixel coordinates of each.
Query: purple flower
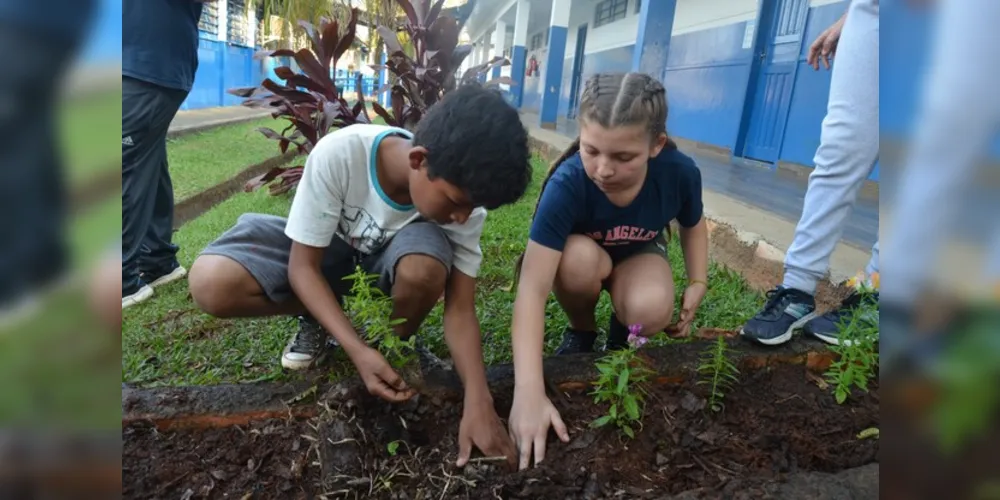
column 635, row 337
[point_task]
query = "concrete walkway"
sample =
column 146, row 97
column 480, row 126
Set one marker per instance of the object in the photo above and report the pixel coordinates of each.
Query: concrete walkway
column 188, row 121
column 761, row 203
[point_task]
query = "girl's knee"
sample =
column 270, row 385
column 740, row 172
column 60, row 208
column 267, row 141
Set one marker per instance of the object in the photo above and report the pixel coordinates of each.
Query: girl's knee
column 651, row 307
column 584, row 264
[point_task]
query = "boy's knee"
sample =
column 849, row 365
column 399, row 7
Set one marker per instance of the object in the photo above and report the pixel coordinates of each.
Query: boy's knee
column 651, row 308
column 211, row 285
column 418, row 274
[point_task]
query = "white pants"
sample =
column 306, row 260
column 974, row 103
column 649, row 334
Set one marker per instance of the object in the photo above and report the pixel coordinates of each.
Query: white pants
column 958, row 119
column 847, row 152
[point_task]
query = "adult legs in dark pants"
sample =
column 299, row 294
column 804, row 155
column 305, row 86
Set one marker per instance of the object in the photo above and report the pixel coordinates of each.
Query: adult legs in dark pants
column 149, row 258
column 33, row 250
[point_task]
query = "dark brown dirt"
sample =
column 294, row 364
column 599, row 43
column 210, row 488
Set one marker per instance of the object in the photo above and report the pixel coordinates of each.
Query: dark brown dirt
column 779, row 433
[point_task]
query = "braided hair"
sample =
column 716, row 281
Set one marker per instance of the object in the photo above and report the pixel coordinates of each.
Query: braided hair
column 614, row 100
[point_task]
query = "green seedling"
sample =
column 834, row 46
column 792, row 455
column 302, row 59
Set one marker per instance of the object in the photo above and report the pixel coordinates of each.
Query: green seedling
column 393, row 448
column 371, row 312
column 717, row 372
column 857, row 360
column 622, row 385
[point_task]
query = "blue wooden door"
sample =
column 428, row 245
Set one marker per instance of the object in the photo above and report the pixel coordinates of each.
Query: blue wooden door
column 780, row 42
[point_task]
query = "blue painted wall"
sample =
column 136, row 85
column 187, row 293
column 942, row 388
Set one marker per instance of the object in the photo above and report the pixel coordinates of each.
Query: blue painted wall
column 222, row 66
column 706, row 80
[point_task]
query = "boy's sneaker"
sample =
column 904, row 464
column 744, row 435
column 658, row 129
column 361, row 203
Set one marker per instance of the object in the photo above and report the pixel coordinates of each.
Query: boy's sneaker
column 576, row 342
column 787, row 310
column 162, row 276
column 617, row 335
column 136, row 292
column 827, row 326
column 307, row 348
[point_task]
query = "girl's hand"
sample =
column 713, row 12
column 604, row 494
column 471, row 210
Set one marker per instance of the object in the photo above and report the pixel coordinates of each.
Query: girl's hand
column 530, row 417
column 693, row 296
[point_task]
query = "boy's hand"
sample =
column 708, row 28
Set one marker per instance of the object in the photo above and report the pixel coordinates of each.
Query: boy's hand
column 379, row 377
column 693, row 296
column 481, row 427
column 530, row 418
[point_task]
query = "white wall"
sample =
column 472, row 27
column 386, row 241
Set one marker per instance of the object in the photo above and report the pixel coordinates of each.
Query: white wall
column 620, row 33
column 697, row 15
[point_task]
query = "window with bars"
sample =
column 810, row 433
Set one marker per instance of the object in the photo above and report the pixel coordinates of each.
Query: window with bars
column 238, row 29
column 208, row 25
column 609, row 11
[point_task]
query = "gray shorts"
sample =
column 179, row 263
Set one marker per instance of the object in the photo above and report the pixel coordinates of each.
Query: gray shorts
column 259, row 244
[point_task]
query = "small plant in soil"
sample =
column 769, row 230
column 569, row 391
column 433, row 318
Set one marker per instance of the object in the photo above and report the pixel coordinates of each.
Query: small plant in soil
column 718, row 373
column 622, row 384
column 371, row 311
column 857, row 360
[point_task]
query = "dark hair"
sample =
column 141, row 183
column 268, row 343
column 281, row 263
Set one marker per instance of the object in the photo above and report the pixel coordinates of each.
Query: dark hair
column 476, row 141
column 613, row 100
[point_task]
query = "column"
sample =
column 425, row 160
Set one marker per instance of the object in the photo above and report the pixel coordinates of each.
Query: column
column 499, row 40
column 652, row 42
column 554, row 62
column 519, row 53
column 383, row 79
column 484, row 54
column 223, row 20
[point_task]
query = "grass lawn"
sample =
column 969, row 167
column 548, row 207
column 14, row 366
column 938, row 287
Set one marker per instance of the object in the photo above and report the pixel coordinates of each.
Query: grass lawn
column 203, row 159
column 166, row 341
column 86, row 125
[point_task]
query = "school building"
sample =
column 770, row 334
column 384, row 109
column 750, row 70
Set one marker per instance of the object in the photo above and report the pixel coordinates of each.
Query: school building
column 735, row 70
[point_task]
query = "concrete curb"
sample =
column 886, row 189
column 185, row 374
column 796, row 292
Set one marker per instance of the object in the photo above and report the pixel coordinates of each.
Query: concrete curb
column 760, row 261
column 197, row 204
column 182, row 131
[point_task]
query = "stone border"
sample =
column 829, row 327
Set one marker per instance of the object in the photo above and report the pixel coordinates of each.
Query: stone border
column 749, row 254
column 197, row 204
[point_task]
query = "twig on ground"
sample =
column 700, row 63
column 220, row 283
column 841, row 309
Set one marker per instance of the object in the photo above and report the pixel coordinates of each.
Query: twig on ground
column 487, row 459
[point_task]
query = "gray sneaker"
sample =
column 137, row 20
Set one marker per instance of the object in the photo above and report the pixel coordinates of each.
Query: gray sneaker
column 307, row 348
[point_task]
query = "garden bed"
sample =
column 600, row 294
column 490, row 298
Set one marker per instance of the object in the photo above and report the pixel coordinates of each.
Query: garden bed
column 778, row 430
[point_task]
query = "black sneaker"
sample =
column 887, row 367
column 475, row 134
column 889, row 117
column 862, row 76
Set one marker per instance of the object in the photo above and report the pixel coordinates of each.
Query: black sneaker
column 162, row 276
column 307, row 348
column 617, row 335
column 827, row 326
column 787, row 310
column 575, row 342
column 135, row 292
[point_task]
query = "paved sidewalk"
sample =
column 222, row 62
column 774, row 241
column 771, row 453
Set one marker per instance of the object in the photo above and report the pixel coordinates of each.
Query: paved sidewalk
column 193, row 120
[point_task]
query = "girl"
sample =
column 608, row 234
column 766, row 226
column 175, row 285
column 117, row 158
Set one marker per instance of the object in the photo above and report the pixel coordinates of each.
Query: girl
column 600, row 225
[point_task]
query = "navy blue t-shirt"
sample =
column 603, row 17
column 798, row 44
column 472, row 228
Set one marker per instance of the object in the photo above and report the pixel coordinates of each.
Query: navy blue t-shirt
column 573, row 204
column 160, row 41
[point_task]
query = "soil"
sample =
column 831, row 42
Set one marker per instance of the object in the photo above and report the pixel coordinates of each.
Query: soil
column 778, row 430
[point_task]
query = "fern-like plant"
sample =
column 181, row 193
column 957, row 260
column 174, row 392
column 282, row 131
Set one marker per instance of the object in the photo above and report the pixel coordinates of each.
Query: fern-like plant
column 857, row 360
column 717, row 372
column 371, row 312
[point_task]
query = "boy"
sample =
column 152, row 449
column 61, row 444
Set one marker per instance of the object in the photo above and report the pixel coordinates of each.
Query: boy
column 409, row 208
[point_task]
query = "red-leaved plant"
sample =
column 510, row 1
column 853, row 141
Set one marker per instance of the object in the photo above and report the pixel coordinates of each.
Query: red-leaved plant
column 309, row 100
column 422, row 80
